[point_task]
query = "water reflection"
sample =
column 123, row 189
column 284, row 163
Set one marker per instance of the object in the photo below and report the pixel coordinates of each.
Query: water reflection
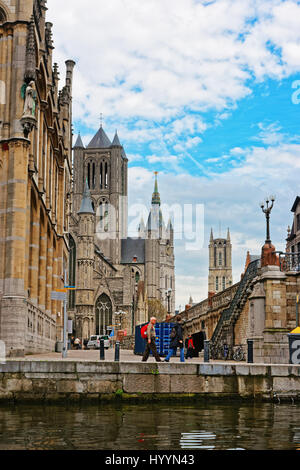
column 151, row 427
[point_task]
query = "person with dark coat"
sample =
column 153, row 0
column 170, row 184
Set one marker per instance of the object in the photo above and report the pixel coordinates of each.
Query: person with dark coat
column 190, row 348
column 176, row 341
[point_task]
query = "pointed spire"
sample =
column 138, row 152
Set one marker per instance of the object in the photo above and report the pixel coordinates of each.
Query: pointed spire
column 211, row 235
column 86, row 203
column 156, row 195
column 116, row 141
column 100, row 140
column 79, row 143
column 228, row 235
column 30, row 65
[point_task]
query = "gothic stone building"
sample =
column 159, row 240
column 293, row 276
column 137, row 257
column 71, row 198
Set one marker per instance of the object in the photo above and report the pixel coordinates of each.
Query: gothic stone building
column 35, row 178
column 293, row 238
column 116, row 277
column 220, row 264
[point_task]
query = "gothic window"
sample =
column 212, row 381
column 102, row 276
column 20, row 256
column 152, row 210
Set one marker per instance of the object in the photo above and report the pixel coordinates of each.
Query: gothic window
column 72, row 271
column 104, row 175
column 91, row 175
column 220, row 259
column 103, row 314
column 217, row 284
column 102, row 219
column 2, row 16
column 223, row 283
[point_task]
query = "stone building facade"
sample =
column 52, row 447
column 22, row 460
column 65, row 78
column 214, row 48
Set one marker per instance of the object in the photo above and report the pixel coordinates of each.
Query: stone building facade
column 35, row 178
column 220, row 264
column 293, row 238
column 116, row 277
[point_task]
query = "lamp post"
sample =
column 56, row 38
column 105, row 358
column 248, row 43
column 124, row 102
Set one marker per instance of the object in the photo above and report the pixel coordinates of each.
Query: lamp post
column 168, row 295
column 267, row 211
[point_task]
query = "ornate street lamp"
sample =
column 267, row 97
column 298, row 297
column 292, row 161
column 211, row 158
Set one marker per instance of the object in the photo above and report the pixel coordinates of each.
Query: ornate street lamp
column 168, row 294
column 267, row 211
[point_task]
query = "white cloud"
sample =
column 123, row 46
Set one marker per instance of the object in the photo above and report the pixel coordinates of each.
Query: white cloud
column 232, row 199
column 149, row 60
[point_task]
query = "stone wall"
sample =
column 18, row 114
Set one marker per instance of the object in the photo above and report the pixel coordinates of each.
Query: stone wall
column 74, row 381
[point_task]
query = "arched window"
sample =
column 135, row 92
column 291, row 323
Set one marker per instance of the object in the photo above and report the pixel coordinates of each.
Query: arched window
column 72, row 271
column 103, row 314
column 104, row 175
column 220, row 259
column 223, row 283
column 102, row 218
column 217, row 284
column 2, row 16
column 91, row 175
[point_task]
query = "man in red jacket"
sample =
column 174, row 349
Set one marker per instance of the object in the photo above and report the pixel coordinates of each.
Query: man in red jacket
column 150, row 342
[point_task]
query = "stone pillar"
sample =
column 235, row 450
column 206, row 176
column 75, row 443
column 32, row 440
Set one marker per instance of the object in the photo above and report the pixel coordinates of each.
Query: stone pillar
column 275, row 340
column 256, row 320
column 13, row 306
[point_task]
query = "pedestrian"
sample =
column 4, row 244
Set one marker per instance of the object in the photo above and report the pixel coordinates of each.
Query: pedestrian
column 77, row 343
column 190, row 348
column 85, row 343
column 72, row 342
column 176, row 341
column 150, row 341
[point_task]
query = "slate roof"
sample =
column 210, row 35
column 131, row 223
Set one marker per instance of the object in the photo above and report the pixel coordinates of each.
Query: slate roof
column 116, row 140
column 86, row 203
column 100, row 140
column 78, row 143
column 131, row 247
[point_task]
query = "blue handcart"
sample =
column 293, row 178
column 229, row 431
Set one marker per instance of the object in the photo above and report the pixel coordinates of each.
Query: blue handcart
column 162, row 341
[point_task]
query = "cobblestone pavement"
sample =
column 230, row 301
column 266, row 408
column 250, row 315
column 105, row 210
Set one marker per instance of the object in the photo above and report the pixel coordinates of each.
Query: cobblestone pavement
column 94, row 355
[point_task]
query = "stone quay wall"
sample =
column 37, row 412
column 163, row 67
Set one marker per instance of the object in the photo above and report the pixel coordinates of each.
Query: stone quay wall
column 47, row 381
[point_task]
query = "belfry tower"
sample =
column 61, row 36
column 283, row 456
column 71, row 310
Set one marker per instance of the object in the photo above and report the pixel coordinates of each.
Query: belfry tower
column 220, row 263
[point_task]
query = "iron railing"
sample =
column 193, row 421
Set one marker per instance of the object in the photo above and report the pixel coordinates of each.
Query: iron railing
column 228, row 313
column 289, row 261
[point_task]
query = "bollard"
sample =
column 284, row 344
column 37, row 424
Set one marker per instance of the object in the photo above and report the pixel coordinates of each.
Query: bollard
column 102, row 354
column 206, row 351
column 117, row 351
column 250, row 351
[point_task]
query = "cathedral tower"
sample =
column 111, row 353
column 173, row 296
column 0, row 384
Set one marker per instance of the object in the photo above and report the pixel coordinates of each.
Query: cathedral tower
column 220, row 263
column 103, row 164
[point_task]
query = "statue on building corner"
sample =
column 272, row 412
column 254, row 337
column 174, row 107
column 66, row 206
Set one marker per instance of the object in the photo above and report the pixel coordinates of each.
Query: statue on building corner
column 29, row 96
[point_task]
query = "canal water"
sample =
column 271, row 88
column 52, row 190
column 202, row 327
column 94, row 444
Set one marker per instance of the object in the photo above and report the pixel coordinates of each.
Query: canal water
column 205, row 425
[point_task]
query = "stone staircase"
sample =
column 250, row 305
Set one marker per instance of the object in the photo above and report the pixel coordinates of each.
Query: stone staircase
column 224, row 331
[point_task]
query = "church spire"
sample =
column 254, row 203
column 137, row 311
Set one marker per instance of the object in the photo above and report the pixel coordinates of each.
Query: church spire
column 79, row 143
column 156, row 195
column 86, row 203
column 116, row 141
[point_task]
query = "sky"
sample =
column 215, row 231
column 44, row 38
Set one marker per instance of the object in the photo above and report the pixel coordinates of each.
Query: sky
column 207, row 93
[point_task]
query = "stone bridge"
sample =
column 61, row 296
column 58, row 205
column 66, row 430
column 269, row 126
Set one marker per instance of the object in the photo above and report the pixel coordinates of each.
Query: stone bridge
column 261, row 307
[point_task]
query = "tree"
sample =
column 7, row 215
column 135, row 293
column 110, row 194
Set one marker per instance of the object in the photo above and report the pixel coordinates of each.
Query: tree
column 156, row 309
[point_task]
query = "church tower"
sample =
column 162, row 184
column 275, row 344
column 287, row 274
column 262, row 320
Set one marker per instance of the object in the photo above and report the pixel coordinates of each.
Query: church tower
column 103, row 164
column 85, row 265
column 220, row 263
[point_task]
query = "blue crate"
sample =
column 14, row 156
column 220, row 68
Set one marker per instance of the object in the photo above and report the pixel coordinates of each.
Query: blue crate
column 162, row 341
